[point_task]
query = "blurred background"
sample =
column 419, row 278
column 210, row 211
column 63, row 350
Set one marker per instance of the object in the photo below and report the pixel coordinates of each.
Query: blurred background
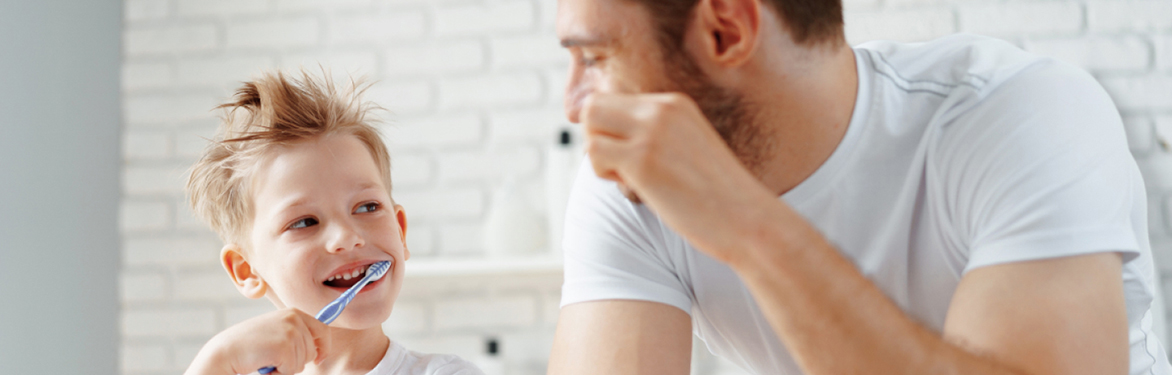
column 105, row 103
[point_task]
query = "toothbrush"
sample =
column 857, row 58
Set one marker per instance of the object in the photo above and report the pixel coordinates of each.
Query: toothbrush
column 332, row 310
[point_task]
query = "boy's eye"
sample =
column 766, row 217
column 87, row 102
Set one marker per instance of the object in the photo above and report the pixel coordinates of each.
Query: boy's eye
column 303, row 223
column 367, row 207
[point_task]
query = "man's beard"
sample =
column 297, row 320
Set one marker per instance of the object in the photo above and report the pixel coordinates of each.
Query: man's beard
column 728, row 111
column 730, row 114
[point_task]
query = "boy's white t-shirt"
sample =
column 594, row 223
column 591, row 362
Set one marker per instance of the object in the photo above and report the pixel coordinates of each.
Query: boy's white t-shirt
column 401, row 361
column 961, row 153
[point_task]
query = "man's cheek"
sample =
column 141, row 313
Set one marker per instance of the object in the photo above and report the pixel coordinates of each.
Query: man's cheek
column 618, row 85
column 611, row 81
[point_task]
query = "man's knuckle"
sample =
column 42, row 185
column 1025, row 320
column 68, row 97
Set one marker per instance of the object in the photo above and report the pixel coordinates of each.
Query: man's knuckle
column 676, row 100
column 588, row 106
column 663, row 107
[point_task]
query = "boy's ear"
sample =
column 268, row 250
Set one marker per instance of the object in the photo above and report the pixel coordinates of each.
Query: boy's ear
column 401, row 217
column 246, row 280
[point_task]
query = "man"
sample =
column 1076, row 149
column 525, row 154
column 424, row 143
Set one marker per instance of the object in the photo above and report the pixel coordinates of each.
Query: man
column 951, row 207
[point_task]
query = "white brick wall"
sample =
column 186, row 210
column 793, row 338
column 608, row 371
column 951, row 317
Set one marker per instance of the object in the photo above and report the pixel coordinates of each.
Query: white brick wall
column 473, row 89
column 1150, row 16
column 491, row 17
column 1126, row 53
column 1022, row 18
column 169, row 322
column 170, row 39
column 507, row 311
column 273, row 33
column 445, row 130
column 143, row 358
column 496, row 90
column 435, row 57
column 903, row 24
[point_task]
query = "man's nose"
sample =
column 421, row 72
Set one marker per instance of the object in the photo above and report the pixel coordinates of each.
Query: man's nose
column 576, row 92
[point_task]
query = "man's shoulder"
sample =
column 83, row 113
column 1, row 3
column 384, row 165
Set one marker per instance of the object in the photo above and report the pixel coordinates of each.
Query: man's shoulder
column 969, row 87
column 967, row 62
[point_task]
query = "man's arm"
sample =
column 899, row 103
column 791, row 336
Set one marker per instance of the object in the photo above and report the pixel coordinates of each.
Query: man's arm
column 1055, row 316
column 621, row 337
column 1070, row 320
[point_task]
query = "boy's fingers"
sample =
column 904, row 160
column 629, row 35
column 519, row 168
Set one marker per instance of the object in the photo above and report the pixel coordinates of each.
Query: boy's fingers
column 307, row 351
column 318, row 339
column 323, row 348
column 300, row 338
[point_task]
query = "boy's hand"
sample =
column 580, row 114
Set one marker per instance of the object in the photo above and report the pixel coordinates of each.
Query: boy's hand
column 287, row 339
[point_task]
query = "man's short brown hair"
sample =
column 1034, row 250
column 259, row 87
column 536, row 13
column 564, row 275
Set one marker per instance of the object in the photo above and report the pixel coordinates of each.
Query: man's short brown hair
column 808, row 21
column 266, row 113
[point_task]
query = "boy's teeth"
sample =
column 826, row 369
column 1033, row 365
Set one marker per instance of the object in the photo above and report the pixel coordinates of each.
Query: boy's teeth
column 348, row 275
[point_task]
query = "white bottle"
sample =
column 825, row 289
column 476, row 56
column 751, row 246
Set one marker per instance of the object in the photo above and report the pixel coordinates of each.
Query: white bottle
column 560, row 168
column 513, row 227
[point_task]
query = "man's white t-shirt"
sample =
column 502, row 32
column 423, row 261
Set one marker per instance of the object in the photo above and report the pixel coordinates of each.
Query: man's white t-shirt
column 961, row 153
column 401, row 361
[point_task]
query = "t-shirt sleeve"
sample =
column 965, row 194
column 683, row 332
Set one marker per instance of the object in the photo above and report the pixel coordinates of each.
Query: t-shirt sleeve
column 615, row 249
column 1039, row 169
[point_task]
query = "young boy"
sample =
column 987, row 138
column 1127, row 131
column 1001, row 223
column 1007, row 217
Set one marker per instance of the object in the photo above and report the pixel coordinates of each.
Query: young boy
column 297, row 183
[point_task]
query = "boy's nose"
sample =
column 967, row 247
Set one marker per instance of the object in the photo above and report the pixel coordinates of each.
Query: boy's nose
column 344, row 238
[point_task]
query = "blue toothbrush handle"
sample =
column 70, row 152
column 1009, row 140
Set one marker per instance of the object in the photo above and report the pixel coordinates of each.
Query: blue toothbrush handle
column 266, row 370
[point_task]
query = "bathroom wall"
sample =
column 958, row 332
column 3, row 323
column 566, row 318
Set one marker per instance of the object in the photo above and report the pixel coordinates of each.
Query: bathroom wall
column 474, row 91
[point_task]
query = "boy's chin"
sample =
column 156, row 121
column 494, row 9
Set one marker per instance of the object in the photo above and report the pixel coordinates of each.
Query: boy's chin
column 363, row 315
column 359, row 322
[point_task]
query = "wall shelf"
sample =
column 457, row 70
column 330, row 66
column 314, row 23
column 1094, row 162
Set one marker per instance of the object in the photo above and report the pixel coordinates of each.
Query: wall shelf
column 542, row 264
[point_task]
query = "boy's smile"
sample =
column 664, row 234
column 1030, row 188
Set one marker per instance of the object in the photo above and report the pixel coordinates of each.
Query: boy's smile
column 347, row 276
column 322, row 217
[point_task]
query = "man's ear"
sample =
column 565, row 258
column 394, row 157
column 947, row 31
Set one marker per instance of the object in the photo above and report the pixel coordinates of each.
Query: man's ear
column 247, row 281
column 401, row 217
column 727, row 30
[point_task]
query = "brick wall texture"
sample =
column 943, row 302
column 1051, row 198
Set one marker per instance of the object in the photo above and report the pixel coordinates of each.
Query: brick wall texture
column 473, row 88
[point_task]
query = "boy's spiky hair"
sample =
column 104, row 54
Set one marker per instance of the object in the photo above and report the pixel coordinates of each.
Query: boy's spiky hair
column 269, row 112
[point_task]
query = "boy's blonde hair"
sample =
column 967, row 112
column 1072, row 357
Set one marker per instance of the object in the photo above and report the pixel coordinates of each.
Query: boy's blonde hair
column 269, row 112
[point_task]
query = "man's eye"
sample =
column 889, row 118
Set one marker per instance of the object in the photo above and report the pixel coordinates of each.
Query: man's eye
column 587, row 60
column 303, row 223
column 368, row 207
